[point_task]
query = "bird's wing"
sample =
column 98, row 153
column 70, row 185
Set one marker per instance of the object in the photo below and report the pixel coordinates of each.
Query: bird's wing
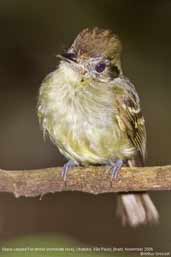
column 131, row 120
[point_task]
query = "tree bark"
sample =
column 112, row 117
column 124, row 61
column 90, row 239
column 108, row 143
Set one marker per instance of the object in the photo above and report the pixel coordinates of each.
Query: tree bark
column 92, row 179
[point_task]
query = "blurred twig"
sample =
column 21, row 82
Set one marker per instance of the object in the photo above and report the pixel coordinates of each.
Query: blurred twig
column 91, row 179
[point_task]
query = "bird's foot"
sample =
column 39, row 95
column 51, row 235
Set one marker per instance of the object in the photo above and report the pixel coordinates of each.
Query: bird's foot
column 116, row 167
column 67, row 166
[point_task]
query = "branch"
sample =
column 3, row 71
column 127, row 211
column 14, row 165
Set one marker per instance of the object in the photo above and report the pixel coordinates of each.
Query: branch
column 91, row 179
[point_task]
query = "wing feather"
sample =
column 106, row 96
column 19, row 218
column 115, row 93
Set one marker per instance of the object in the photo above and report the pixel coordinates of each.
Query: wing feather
column 131, row 120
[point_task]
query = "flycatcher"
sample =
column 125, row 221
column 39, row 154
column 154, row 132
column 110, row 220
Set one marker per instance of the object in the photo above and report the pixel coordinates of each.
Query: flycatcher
column 92, row 113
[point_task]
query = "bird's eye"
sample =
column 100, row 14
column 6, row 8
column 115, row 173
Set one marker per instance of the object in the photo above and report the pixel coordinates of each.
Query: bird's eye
column 70, row 56
column 100, row 67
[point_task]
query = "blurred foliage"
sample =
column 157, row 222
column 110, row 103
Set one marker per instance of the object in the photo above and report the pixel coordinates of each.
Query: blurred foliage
column 38, row 246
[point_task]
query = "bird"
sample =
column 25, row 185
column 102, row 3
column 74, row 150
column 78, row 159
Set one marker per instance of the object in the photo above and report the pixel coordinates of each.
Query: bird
column 91, row 112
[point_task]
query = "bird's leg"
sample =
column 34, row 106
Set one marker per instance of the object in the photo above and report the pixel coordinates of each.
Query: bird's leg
column 116, row 167
column 67, row 166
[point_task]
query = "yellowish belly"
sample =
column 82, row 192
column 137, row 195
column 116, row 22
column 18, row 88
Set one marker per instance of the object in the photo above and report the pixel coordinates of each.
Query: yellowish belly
column 80, row 119
column 92, row 145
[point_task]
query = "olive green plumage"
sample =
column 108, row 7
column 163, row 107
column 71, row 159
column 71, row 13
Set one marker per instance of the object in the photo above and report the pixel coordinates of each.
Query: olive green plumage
column 91, row 111
column 92, row 118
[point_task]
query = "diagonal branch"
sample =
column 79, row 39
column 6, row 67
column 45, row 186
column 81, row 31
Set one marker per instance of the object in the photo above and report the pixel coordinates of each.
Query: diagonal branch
column 91, row 179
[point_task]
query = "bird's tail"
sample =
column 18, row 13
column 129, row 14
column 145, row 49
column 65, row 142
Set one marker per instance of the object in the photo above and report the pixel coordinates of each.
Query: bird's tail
column 136, row 209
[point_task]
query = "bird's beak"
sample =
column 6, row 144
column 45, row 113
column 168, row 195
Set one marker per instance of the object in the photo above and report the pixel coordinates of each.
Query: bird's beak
column 62, row 58
column 67, row 58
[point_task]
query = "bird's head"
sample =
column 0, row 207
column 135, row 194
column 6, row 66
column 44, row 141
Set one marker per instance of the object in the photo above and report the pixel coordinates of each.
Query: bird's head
column 95, row 54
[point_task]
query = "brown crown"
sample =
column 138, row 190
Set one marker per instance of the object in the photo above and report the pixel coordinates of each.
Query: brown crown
column 97, row 42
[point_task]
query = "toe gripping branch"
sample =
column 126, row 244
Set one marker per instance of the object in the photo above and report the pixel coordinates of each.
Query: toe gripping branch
column 116, row 167
column 67, row 167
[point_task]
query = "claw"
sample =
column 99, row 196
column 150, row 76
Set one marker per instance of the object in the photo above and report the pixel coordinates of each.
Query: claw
column 67, row 166
column 116, row 168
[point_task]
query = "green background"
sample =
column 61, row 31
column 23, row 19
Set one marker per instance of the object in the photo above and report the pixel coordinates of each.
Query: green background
column 32, row 33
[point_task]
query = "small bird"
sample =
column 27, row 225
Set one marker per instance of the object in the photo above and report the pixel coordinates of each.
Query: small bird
column 92, row 113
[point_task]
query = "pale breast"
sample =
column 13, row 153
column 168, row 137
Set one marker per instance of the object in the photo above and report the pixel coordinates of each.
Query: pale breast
column 80, row 119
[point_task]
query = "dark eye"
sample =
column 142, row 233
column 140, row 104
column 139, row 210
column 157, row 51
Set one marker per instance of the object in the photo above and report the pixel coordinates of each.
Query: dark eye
column 70, row 56
column 100, row 67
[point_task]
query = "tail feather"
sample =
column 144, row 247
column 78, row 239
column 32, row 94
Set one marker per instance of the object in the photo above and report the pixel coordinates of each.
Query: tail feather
column 151, row 211
column 136, row 209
